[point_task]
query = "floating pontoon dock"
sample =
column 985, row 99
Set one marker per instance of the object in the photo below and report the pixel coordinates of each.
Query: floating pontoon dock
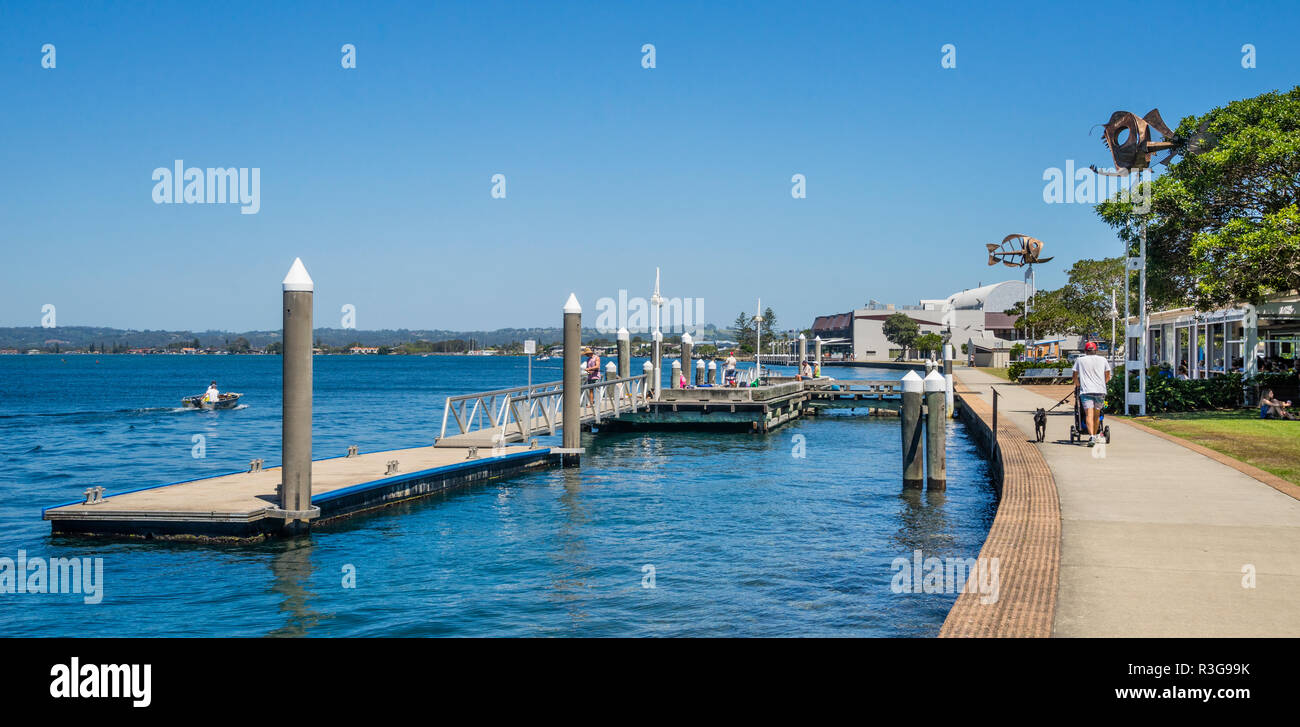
column 243, row 505
column 474, row 445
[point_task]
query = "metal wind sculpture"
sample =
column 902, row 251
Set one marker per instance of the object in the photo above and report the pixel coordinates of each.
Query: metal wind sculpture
column 1016, row 250
column 1131, row 147
column 1135, row 150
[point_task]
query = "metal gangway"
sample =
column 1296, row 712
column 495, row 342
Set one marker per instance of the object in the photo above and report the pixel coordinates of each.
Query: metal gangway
column 498, row 417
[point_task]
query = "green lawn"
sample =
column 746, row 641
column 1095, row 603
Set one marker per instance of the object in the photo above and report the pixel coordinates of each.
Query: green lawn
column 1000, row 372
column 1270, row 444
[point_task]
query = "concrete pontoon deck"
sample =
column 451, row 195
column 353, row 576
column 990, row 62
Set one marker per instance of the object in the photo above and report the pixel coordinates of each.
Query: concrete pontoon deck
column 241, row 505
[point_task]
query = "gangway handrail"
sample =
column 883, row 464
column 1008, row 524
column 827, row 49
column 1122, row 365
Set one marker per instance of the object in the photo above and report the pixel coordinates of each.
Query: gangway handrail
column 521, row 406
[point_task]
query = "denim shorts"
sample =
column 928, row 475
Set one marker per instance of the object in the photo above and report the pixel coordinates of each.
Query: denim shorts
column 1092, row 401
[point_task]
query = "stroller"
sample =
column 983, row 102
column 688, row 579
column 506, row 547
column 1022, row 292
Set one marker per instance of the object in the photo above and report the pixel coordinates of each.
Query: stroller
column 1079, row 427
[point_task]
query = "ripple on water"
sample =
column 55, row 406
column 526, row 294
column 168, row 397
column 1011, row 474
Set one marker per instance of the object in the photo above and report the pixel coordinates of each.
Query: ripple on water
column 742, row 538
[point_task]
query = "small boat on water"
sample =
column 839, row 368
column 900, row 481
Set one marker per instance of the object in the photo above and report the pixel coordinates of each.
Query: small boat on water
column 227, row 401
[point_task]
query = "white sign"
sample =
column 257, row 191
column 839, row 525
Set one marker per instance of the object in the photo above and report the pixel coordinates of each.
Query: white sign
column 530, row 347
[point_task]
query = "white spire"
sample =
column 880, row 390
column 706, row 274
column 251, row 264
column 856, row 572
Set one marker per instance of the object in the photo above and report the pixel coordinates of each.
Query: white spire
column 657, row 302
column 298, row 279
column 654, row 298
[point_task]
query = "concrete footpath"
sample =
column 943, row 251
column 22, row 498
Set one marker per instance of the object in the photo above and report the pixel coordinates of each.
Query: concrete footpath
column 1156, row 539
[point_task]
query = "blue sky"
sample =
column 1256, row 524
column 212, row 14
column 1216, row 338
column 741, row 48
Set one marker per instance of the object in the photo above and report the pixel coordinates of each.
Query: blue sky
column 379, row 177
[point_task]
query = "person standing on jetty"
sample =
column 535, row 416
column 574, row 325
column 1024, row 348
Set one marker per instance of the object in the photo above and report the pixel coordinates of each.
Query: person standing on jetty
column 593, row 366
column 1091, row 374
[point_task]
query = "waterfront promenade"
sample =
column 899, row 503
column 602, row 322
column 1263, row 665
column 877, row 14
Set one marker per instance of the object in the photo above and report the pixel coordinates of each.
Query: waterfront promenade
column 1155, row 536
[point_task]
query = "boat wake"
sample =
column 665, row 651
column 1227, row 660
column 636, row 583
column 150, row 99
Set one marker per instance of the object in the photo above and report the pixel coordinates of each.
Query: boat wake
column 97, row 414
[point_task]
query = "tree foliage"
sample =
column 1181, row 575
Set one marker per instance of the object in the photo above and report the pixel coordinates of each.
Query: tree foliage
column 1082, row 306
column 928, row 343
column 769, row 323
column 744, row 328
column 901, row 330
column 1224, row 225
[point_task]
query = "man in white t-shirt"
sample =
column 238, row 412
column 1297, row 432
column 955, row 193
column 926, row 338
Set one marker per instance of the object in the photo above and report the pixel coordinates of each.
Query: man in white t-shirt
column 1091, row 374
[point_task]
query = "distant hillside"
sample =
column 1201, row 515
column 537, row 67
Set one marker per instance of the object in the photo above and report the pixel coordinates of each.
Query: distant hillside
column 73, row 337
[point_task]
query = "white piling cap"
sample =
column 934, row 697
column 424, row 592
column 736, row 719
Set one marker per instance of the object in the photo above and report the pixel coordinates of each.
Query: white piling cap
column 623, row 335
column 686, row 337
column 802, row 337
column 572, row 305
column 659, row 336
column 713, row 364
column 611, row 366
column 699, row 363
column 912, row 383
column 298, row 279
column 647, row 366
column 677, row 364
column 935, row 381
column 818, row 339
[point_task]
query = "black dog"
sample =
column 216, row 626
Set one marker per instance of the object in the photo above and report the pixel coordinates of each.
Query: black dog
column 1040, row 423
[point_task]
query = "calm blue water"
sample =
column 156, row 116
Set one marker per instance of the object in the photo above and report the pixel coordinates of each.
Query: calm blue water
column 745, row 539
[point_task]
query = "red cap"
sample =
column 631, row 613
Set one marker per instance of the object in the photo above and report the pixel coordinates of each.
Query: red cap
column 1090, row 346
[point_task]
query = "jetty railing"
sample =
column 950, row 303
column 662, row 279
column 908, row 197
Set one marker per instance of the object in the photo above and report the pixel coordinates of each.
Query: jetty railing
column 515, row 414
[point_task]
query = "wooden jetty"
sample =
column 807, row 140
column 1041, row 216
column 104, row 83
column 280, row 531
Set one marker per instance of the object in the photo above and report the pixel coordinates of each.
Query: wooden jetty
column 755, row 408
column 474, row 445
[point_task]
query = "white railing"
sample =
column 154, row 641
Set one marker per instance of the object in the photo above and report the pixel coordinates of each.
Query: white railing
column 518, row 413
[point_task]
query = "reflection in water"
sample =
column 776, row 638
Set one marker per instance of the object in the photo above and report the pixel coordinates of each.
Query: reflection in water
column 568, row 582
column 291, row 569
column 923, row 521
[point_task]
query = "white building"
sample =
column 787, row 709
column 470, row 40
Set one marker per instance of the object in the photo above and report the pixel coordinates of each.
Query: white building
column 976, row 315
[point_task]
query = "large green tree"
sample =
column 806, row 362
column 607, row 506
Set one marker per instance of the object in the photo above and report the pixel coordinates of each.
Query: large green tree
column 1224, row 225
column 769, row 323
column 744, row 328
column 1081, row 306
column 901, row 330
